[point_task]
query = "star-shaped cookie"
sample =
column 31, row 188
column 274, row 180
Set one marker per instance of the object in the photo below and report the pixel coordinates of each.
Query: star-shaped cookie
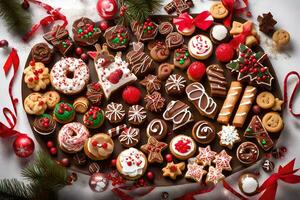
column 228, row 136
column 278, row 105
column 153, row 148
column 195, row 172
column 172, row 170
column 222, row 161
column 205, row 156
column 214, row 175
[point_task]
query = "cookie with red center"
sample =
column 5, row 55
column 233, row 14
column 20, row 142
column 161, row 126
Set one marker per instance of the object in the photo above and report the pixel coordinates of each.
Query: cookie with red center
column 99, row 147
column 44, row 124
column 153, row 148
column 182, row 147
column 224, row 52
column 173, row 170
column 196, row 71
column 131, row 95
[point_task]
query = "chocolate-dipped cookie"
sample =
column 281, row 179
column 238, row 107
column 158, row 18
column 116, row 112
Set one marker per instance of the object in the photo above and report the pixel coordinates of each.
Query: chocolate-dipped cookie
column 85, row 32
column 174, row 40
column 204, row 132
column 44, row 124
column 114, row 112
column 94, row 93
column 129, row 137
column 159, row 52
column 146, row 31
column 175, row 84
column 117, row 37
column 219, row 34
column 157, row 128
column 137, row 115
column 165, row 28
column 181, row 57
column 247, row 153
column 41, row 53
column 217, row 80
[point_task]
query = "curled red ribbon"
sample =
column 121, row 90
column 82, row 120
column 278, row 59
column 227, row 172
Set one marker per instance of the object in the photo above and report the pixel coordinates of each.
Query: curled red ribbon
column 184, row 21
column 53, row 16
column 285, row 174
column 241, row 38
column 234, row 6
column 233, row 191
column 285, row 95
column 190, row 195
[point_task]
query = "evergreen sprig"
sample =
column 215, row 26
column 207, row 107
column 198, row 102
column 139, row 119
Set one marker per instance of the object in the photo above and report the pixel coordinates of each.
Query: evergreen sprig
column 45, row 177
column 17, row 19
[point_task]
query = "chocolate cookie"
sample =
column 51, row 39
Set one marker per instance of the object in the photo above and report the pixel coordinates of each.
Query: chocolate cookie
column 181, row 57
column 44, row 124
column 175, row 84
column 247, row 153
column 217, row 80
column 154, row 102
column 117, row 37
column 137, row 115
column 85, row 32
column 151, row 83
column 165, row 28
column 94, row 93
column 174, row 40
column 129, row 137
column 159, row 52
column 115, row 112
column 41, row 53
column 204, row 132
column 157, row 128
column 164, row 71
column 146, row 31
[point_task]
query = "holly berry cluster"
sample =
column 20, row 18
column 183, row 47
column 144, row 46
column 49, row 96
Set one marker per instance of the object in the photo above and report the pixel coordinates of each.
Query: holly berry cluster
column 183, row 146
column 115, row 76
column 148, row 26
column 64, row 107
column 181, row 55
column 45, row 122
column 87, row 31
column 119, row 36
column 92, row 115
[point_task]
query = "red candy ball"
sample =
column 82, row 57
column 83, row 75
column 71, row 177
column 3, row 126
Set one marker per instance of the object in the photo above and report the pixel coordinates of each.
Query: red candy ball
column 3, row 43
column 169, row 157
column 224, row 52
column 53, row 151
column 196, row 71
column 79, row 51
column 84, row 57
column 50, row 144
column 131, row 95
column 103, row 25
column 150, row 175
column 114, row 162
column 65, row 162
column 23, row 146
column 107, row 8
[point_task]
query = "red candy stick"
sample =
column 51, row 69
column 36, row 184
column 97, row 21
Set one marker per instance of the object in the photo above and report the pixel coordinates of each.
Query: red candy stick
column 290, row 103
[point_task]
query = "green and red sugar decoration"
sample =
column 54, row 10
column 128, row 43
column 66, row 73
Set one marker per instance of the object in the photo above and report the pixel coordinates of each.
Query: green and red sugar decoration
column 119, row 36
column 181, row 55
column 149, row 27
column 64, row 111
column 87, row 30
column 94, row 117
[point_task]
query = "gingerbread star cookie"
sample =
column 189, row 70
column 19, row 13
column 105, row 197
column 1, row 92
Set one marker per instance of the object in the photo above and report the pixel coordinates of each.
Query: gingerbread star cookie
column 222, row 161
column 214, row 175
column 172, row 170
column 195, row 172
column 153, row 148
column 205, row 156
column 278, row 105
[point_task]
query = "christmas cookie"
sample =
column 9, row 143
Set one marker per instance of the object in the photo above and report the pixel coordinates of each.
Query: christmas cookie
column 129, row 137
column 159, row 52
column 81, row 104
column 196, row 71
column 131, row 95
column 173, row 170
column 137, row 115
column 114, row 112
column 151, row 83
column 265, row 100
column 157, row 128
column 85, row 32
column 71, row 137
column 44, row 124
column 94, row 93
column 185, row 29
column 273, row 122
column 165, row 28
column 200, row 47
column 224, row 52
column 178, row 6
column 219, row 34
column 278, row 105
column 205, row 104
column 41, row 53
column 146, row 31
column 179, row 113
column 117, row 37
column 116, row 131
column 36, row 76
column 205, row 156
column 217, row 80
column 99, row 147
column 228, row 136
column 52, row 98
column 93, row 118
column 218, row 10
column 154, row 102
column 182, row 147
column 113, row 72
column 139, row 62
column 174, row 40
column 204, row 132
column 195, row 172
column 248, row 184
column 35, row 104
column 266, row 23
column 181, row 57
column 164, row 71
column 175, row 84
column 247, row 153
column 132, row 163
column 69, row 75
column 222, row 161
column 238, row 28
column 64, row 113
column 281, row 38
column 154, row 148
column 214, row 176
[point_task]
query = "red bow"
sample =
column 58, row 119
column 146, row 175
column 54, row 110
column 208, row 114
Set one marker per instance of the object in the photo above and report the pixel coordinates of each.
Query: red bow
column 234, row 6
column 53, row 16
column 10, row 116
column 184, row 21
column 241, row 38
column 285, row 174
column 290, row 106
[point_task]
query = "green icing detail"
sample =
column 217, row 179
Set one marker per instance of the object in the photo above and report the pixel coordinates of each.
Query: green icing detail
column 181, row 61
column 186, row 54
column 263, row 142
column 80, row 30
column 115, row 40
column 66, row 114
column 99, row 120
column 90, row 33
column 249, row 129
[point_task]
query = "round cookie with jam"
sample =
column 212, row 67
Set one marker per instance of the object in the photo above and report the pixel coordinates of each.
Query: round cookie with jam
column 182, row 147
column 64, row 112
column 117, row 37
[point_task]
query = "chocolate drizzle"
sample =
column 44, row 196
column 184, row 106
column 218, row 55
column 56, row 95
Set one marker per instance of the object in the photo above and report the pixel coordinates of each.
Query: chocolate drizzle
column 174, row 40
column 247, row 153
column 217, row 80
column 204, row 132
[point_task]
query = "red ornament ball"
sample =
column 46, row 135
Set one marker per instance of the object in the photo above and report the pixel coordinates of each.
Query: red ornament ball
column 103, row 25
column 256, row 109
column 84, row 57
column 196, row 71
column 169, row 157
column 107, row 9
column 98, row 182
column 3, row 43
column 150, row 175
column 53, row 151
column 113, row 162
column 79, row 51
column 23, row 146
column 65, row 162
column 224, row 52
column 50, row 144
column 131, row 95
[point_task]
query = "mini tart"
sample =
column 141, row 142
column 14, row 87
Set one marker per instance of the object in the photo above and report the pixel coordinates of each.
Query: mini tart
column 64, row 112
column 44, row 124
column 94, row 117
column 99, row 147
column 132, row 163
column 182, row 147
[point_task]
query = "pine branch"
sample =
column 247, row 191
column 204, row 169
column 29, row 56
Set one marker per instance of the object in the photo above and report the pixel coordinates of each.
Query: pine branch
column 17, row 19
column 14, row 189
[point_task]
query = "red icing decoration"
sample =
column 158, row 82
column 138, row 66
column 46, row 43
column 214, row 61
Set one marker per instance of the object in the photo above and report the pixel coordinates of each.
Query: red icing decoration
column 183, row 146
column 115, row 76
column 131, row 95
column 197, row 70
column 94, row 143
column 224, row 52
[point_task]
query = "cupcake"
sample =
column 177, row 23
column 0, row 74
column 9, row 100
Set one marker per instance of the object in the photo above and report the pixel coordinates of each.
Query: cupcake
column 94, row 117
column 44, row 124
column 64, row 112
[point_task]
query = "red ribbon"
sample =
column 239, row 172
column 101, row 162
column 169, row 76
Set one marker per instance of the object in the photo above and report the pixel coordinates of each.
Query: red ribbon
column 285, row 174
column 127, row 194
column 290, row 104
column 241, row 38
column 10, row 116
column 233, row 6
column 53, row 16
column 233, row 191
column 184, row 21
column 190, row 195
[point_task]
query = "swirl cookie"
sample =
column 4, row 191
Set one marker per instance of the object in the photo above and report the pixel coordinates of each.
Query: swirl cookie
column 204, row 132
column 114, row 112
column 41, row 53
column 35, row 104
column 157, row 128
column 174, row 40
column 159, row 52
column 129, row 137
column 164, row 71
column 52, row 98
column 200, row 47
column 273, row 122
column 182, row 147
column 165, row 28
column 99, row 147
column 36, row 76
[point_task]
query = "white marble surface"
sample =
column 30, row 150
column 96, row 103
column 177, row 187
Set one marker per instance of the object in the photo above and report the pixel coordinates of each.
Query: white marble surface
column 286, row 12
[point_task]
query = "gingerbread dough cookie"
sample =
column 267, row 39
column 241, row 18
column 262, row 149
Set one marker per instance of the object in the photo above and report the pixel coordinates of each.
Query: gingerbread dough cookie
column 218, row 11
column 273, row 122
column 265, row 100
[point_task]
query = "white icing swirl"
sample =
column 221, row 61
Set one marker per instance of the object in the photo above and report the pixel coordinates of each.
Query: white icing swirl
column 132, row 162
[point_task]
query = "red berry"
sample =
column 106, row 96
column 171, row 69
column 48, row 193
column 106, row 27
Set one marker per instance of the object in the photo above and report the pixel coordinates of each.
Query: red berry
column 224, row 52
column 3, row 43
column 249, row 14
column 196, row 71
column 50, row 144
column 150, row 175
column 256, row 109
column 169, row 157
column 25, row 4
column 30, row 79
column 103, row 25
column 113, row 162
column 84, row 57
column 32, row 63
column 104, row 145
column 79, row 51
column 53, row 151
column 65, row 162
column 131, row 95
column 60, row 111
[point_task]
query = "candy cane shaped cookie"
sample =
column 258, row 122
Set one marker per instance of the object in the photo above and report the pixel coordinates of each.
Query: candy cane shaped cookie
column 232, row 98
column 244, row 107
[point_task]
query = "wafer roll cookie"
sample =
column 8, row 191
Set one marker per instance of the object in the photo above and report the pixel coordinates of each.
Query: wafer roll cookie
column 231, row 100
